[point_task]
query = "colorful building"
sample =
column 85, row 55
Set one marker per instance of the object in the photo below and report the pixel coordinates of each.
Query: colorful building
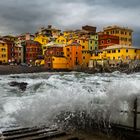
column 18, row 56
column 59, row 62
column 124, row 34
column 50, row 56
column 25, row 37
column 61, row 40
column 105, row 40
column 49, row 31
column 42, row 39
column 73, row 53
column 11, row 50
column 31, row 50
column 89, row 29
column 69, row 33
column 93, row 42
column 86, row 55
column 121, row 52
column 3, row 52
column 116, row 54
column 84, row 42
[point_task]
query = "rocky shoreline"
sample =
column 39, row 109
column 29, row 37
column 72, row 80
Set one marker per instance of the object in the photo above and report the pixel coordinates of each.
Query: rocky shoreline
column 15, row 69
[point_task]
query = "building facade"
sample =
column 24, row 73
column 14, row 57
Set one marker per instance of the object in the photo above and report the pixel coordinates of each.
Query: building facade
column 124, row 34
column 93, row 42
column 31, row 50
column 73, row 53
column 51, row 55
column 106, row 40
column 3, row 52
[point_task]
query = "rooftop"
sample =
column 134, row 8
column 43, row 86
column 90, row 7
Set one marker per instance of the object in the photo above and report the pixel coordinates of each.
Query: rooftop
column 118, row 27
column 120, row 47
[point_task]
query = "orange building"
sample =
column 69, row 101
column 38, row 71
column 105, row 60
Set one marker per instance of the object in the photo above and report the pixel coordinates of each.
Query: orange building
column 73, row 53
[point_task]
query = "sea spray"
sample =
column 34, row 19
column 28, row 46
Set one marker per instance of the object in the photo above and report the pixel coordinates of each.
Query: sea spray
column 69, row 100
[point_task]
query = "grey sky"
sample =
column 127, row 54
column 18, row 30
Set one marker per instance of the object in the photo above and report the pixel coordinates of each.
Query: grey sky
column 20, row 16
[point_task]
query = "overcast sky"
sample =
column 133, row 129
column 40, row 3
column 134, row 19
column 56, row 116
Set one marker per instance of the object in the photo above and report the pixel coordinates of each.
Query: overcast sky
column 20, row 16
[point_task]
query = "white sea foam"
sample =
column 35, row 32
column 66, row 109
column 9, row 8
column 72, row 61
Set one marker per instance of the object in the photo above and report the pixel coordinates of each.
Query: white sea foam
column 57, row 97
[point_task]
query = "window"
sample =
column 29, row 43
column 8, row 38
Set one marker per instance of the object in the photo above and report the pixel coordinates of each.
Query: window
column 76, row 52
column 108, row 41
column 126, row 50
column 113, row 58
column 108, row 51
column 118, row 51
column 83, row 47
column 135, row 51
column 91, row 41
column 113, row 51
column 102, row 42
column 90, row 48
column 68, row 49
column 83, row 57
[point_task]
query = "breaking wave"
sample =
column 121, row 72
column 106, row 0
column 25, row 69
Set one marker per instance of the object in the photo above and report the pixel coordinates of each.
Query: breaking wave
column 67, row 99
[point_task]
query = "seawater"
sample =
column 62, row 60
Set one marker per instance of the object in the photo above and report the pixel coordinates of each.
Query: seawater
column 67, row 99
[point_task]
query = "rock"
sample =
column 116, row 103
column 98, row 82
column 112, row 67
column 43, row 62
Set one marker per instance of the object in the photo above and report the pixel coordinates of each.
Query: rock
column 21, row 85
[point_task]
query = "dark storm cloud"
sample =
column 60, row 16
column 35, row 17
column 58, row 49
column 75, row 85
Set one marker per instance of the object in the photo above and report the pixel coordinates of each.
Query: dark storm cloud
column 19, row 16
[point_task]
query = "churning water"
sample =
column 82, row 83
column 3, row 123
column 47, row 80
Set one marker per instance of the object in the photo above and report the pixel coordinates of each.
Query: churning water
column 66, row 99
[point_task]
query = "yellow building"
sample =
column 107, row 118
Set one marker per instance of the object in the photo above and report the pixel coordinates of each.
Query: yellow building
column 86, row 55
column 68, row 33
column 116, row 54
column 42, row 39
column 124, row 34
column 121, row 52
column 84, row 42
column 3, row 52
column 59, row 63
column 61, row 40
